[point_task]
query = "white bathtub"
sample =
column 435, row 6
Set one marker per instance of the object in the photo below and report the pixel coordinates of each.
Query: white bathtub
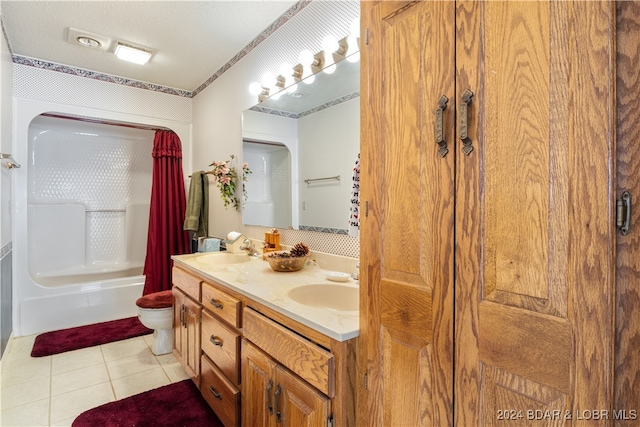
column 76, row 262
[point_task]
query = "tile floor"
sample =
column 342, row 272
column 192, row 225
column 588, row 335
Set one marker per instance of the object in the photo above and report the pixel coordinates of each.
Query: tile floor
column 54, row 390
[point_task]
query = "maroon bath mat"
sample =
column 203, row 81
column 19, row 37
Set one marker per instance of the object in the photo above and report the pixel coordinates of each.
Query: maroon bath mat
column 177, row 404
column 88, row 336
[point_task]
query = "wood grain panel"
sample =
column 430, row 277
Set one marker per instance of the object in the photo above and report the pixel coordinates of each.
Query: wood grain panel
column 414, row 394
column 189, row 283
column 627, row 338
column 226, row 354
column 300, row 404
column 516, row 147
column 537, row 404
column 222, row 304
column 220, row 393
column 534, row 346
column 310, row 362
column 407, row 307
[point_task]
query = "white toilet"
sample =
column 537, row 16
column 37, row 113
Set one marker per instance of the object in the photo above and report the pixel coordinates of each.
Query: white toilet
column 155, row 311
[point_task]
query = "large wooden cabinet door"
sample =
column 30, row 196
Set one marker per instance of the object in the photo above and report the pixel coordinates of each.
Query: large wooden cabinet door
column 407, row 236
column 534, row 220
column 529, row 175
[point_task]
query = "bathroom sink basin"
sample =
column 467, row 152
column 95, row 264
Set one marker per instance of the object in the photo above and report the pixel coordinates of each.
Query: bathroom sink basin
column 337, row 297
column 223, row 258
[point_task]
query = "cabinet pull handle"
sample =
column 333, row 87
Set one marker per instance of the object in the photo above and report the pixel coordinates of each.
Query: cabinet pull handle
column 268, row 397
column 276, row 396
column 216, row 304
column 439, row 126
column 183, row 310
column 463, row 122
column 214, row 341
column 215, row 393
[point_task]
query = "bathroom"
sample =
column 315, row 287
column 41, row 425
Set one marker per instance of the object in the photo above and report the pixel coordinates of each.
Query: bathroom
column 519, row 290
column 198, row 121
column 209, row 123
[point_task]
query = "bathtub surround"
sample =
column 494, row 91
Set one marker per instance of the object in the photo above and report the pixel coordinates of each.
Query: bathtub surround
column 177, row 404
column 166, row 216
column 70, row 339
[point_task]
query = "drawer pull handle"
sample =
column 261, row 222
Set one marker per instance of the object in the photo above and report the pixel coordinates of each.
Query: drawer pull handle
column 214, row 341
column 268, row 397
column 216, row 304
column 276, row 396
column 215, row 393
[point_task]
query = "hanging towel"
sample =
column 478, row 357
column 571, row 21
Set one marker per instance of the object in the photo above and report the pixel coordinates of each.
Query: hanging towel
column 354, row 209
column 197, row 213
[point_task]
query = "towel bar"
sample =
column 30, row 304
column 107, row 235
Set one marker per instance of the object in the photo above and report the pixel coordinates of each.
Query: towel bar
column 337, row 178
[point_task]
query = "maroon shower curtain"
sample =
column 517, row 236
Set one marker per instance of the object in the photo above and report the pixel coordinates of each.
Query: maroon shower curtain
column 166, row 214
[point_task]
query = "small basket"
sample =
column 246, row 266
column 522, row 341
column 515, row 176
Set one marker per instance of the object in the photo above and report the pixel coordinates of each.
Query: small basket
column 287, row 263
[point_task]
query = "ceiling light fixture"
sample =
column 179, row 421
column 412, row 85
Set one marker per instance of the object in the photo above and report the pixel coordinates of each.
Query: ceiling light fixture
column 137, row 55
column 88, row 41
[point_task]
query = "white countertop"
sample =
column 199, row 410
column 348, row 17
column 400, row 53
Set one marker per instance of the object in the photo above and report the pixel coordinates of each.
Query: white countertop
column 256, row 280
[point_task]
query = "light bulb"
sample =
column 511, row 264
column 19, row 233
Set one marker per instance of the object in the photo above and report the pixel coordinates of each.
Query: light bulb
column 268, row 80
column 255, row 88
column 286, row 70
column 292, row 88
column 310, row 79
column 306, row 57
column 330, row 44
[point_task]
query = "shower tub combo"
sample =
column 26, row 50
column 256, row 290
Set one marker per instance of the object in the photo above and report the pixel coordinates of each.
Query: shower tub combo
column 82, row 210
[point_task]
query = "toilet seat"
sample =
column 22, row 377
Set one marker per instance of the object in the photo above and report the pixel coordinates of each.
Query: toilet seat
column 162, row 299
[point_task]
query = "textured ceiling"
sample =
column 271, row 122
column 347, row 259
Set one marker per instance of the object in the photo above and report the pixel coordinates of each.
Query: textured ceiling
column 191, row 39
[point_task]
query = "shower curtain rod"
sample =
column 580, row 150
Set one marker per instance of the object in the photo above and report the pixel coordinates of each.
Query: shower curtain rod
column 103, row 122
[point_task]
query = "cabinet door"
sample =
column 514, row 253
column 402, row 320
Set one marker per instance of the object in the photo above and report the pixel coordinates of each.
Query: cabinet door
column 534, row 223
column 407, row 245
column 297, row 404
column 258, row 384
column 186, row 333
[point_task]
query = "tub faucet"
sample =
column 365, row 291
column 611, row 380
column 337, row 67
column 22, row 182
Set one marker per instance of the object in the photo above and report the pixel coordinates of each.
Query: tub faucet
column 247, row 246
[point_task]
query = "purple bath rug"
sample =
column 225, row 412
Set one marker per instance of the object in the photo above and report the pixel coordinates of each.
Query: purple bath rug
column 87, row 336
column 177, row 404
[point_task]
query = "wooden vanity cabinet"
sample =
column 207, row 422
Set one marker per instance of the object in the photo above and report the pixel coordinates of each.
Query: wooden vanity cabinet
column 232, row 350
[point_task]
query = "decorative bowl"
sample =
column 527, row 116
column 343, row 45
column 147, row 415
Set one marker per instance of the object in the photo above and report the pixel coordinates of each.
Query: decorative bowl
column 278, row 262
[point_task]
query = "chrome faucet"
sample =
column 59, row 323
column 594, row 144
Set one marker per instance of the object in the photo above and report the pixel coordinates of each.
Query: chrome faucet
column 247, row 246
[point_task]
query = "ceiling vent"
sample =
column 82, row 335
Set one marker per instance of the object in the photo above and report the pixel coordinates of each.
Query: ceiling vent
column 87, row 39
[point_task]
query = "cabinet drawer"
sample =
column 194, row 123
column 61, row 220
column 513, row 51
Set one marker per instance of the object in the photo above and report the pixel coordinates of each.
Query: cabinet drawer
column 188, row 283
column 309, row 361
column 222, row 304
column 220, row 394
column 222, row 344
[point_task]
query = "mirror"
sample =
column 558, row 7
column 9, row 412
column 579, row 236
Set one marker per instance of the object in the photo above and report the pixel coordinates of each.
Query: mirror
column 302, row 147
